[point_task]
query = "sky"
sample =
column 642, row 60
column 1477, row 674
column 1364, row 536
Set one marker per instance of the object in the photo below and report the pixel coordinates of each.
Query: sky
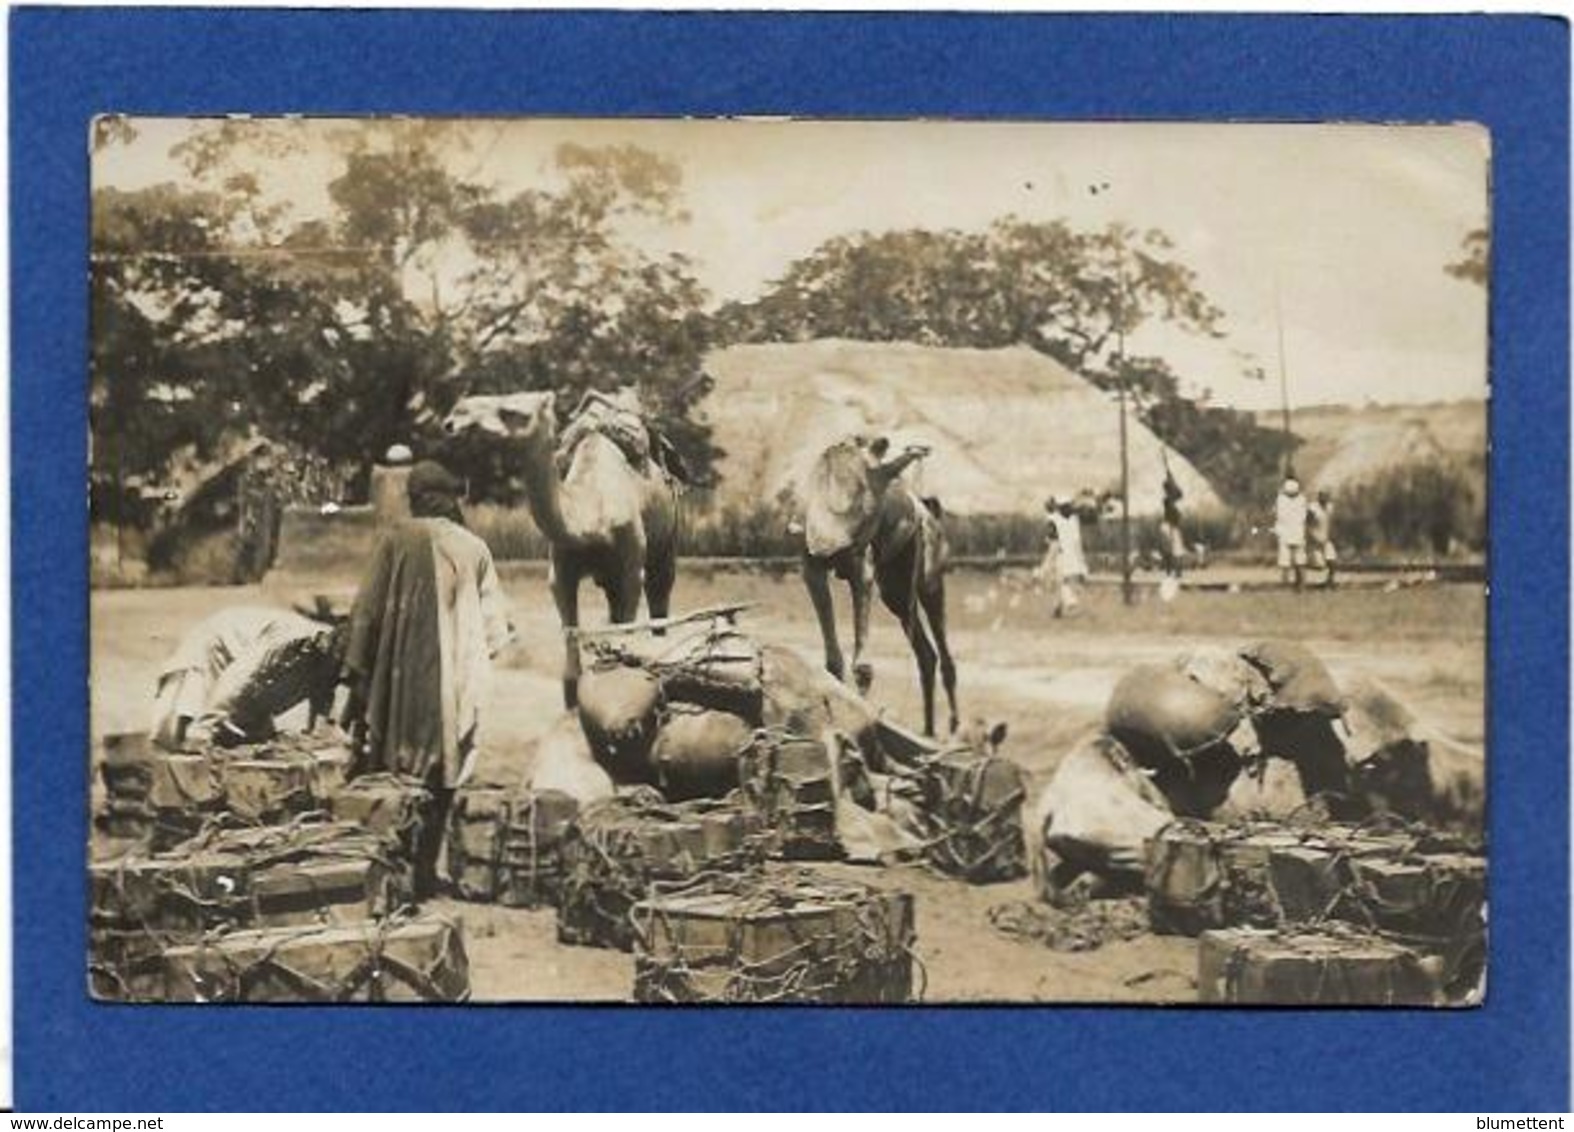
column 1345, row 229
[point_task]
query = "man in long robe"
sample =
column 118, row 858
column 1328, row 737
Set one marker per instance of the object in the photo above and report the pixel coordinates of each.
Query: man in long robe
column 429, row 617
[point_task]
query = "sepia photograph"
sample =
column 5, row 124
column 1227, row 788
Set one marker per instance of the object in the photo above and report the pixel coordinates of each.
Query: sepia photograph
column 787, row 561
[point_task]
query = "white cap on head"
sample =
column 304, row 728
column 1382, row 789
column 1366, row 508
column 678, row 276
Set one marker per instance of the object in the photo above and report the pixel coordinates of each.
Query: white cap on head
column 1292, row 486
column 398, row 454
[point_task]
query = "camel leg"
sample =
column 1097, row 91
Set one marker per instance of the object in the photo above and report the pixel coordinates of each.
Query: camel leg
column 661, row 571
column 817, row 579
column 925, row 656
column 861, row 583
column 565, row 593
column 934, row 608
column 623, row 590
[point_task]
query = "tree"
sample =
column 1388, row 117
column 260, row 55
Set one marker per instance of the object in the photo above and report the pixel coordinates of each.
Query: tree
column 219, row 309
column 1069, row 294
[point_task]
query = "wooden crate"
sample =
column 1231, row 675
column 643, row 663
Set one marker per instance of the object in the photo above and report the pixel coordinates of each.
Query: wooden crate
column 407, row 961
column 773, row 938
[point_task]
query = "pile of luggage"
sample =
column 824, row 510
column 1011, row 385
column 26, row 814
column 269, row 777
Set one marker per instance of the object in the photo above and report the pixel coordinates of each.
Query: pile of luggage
column 1235, row 789
column 1321, row 915
column 236, row 884
column 158, row 798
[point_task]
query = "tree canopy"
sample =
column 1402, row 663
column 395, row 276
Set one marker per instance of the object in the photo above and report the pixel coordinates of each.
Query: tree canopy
column 218, row 310
column 1073, row 295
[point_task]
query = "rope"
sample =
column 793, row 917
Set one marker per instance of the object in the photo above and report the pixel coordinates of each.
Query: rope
column 867, row 956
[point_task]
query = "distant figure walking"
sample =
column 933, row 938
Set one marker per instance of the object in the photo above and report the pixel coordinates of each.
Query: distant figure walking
column 1289, row 527
column 428, row 619
column 1064, row 567
column 1321, row 554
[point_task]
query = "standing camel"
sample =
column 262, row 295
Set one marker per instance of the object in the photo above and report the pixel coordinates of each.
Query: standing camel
column 861, row 525
column 610, row 514
column 909, row 550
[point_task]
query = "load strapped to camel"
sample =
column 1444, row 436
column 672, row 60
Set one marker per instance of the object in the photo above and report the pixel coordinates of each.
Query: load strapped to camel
column 164, row 797
column 617, row 849
column 506, row 846
column 972, row 806
column 775, row 936
column 224, row 880
column 402, row 960
column 676, row 716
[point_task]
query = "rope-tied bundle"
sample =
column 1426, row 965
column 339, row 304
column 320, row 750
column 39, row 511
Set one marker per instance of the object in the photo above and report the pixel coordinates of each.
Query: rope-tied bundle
column 775, row 937
column 974, row 806
column 619, row 848
column 301, row 965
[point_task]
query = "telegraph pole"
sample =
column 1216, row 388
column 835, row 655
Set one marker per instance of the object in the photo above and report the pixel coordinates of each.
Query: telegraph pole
column 1284, row 384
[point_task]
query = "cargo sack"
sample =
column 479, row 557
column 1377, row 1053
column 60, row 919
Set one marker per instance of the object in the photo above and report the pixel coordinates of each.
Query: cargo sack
column 722, row 670
column 616, row 850
column 790, row 782
column 775, row 937
column 618, row 707
column 696, row 752
column 413, row 960
column 1161, row 715
column 506, row 846
column 1336, row 965
column 1299, row 681
column 392, row 806
column 1200, row 876
column 973, row 807
column 1092, row 819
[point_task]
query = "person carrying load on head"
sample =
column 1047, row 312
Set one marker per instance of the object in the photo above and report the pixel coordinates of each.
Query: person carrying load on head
column 1321, row 553
column 429, row 617
column 1289, row 527
column 235, row 672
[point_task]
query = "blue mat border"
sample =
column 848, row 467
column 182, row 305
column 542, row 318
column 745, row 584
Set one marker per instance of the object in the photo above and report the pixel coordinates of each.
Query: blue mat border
column 1510, row 73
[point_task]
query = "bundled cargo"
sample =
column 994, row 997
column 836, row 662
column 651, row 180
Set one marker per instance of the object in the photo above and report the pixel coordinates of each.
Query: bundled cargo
column 973, row 807
column 1434, row 902
column 618, row 849
column 791, row 782
column 275, row 781
column 1335, row 965
column 393, row 806
column 721, row 669
column 165, row 797
column 1202, row 875
column 784, row 937
column 155, row 795
column 413, row 960
column 315, row 873
column 619, row 704
column 506, row 846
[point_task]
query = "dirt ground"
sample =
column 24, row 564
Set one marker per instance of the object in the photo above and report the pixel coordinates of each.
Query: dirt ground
column 1047, row 678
